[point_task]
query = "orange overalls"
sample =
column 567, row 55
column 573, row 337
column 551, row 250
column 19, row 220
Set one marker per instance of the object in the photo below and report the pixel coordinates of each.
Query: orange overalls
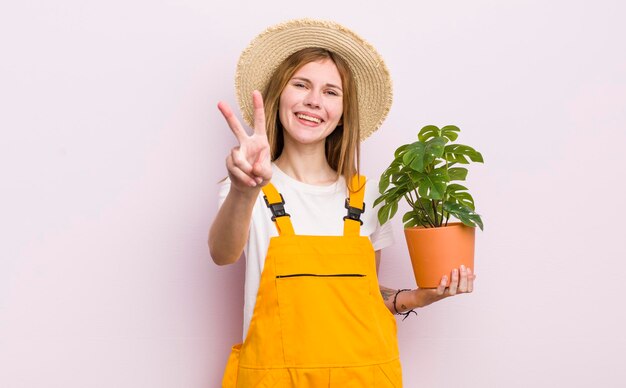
column 319, row 318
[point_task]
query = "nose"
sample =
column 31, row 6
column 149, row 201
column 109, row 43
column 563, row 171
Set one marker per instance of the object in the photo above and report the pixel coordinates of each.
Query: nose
column 312, row 99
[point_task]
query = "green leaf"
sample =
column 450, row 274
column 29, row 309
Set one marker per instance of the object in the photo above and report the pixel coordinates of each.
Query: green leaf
column 412, row 222
column 428, row 132
column 408, row 215
column 441, row 172
column 436, row 147
column 457, row 173
column 383, row 214
column 379, row 200
column 387, row 211
column 453, row 187
column 382, row 185
column 450, row 132
column 412, row 153
column 458, row 194
column 403, row 185
column 437, row 162
column 456, row 187
column 416, row 176
column 414, row 218
column 457, row 158
column 424, row 154
column 432, row 186
column 392, row 195
column 393, row 210
column 464, row 214
column 458, row 152
column 400, row 150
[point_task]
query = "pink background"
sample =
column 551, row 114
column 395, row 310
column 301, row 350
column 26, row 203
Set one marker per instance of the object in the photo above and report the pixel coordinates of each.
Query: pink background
column 112, row 147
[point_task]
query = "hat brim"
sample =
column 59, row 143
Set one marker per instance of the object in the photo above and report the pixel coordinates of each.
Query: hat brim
column 270, row 48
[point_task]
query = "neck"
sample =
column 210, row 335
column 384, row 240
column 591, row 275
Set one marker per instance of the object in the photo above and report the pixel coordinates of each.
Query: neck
column 307, row 164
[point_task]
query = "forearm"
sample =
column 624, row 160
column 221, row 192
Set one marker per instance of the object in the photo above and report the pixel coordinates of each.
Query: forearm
column 405, row 300
column 229, row 231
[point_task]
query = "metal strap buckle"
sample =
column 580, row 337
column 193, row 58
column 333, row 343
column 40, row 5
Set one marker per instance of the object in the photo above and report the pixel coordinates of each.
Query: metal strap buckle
column 354, row 213
column 278, row 209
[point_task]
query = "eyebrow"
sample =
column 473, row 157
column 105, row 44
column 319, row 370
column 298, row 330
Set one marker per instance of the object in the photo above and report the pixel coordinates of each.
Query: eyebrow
column 309, row 81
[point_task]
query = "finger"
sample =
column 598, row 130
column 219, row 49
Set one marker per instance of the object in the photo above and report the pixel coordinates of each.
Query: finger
column 463, row 280
column 470, row 280
column 240, row 161
column 441, row 288
column 237, row 174
column 454, row 284
column 232, row 121
column 260, row 168
column 259, row 113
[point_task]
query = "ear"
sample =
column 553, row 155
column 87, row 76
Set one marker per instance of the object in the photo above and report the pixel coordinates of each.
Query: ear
column 340, row 122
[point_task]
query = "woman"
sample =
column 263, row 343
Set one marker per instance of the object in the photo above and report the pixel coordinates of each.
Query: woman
column 314, row 313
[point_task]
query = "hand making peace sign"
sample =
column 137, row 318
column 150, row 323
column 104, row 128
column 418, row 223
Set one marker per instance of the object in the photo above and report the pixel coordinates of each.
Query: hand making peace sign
column 249, row 163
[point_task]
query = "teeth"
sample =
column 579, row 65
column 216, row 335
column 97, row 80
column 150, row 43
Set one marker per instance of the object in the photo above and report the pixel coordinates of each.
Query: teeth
column 308, row 118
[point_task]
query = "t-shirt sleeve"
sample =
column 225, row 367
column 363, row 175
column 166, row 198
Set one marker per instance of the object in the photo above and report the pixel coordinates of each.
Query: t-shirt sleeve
column 382, row 236
column 224, row 188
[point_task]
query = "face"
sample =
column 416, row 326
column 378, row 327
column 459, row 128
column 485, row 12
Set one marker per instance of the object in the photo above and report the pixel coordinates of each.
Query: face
column 311, row 103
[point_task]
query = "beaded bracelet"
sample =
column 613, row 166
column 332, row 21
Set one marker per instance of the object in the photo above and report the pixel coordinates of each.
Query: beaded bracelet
column 407, row 313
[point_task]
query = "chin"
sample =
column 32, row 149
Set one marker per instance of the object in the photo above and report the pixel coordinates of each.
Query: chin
column 308, row 140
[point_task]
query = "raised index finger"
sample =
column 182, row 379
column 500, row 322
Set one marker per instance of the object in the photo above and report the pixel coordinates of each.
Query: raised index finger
column 259, row 113
column 232, row 121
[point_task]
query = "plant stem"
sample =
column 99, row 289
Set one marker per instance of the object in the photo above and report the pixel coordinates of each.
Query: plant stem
column 433, row 202
column 410, row 201
column 422, row 209
column 444, row 194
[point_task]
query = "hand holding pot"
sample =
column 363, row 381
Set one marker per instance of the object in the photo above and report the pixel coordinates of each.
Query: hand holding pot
column 462, row 282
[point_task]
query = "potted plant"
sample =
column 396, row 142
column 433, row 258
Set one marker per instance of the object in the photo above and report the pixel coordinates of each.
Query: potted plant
column 423, row 173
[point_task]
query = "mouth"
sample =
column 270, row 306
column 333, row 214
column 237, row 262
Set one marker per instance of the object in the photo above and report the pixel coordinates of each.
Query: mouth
column 309, row 118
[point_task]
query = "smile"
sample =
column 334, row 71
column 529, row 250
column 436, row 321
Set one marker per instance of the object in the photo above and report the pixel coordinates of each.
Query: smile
column 302, row 116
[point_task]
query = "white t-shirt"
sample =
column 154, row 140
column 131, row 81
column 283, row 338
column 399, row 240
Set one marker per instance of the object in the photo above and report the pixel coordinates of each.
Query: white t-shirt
column 314, row 210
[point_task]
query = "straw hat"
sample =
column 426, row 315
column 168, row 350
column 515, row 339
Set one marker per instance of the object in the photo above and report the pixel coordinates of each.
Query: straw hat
column 261, row 58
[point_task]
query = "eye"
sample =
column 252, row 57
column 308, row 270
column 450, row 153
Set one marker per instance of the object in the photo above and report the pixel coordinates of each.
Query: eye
column 299, row 84
column 332, row 92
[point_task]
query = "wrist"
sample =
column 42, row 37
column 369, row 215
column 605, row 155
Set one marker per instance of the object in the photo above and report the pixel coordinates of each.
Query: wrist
column 403, row 302
column 247, row 193
column 417, row 300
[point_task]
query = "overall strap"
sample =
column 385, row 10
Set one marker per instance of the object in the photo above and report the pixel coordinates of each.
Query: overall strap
column 355, row 205
column 274, row 200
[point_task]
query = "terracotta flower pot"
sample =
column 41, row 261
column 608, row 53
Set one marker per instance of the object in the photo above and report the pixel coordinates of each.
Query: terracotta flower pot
column 436, row 251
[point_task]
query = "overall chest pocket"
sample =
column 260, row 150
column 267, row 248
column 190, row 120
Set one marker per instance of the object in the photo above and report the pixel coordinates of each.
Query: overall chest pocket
column 326, row 318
